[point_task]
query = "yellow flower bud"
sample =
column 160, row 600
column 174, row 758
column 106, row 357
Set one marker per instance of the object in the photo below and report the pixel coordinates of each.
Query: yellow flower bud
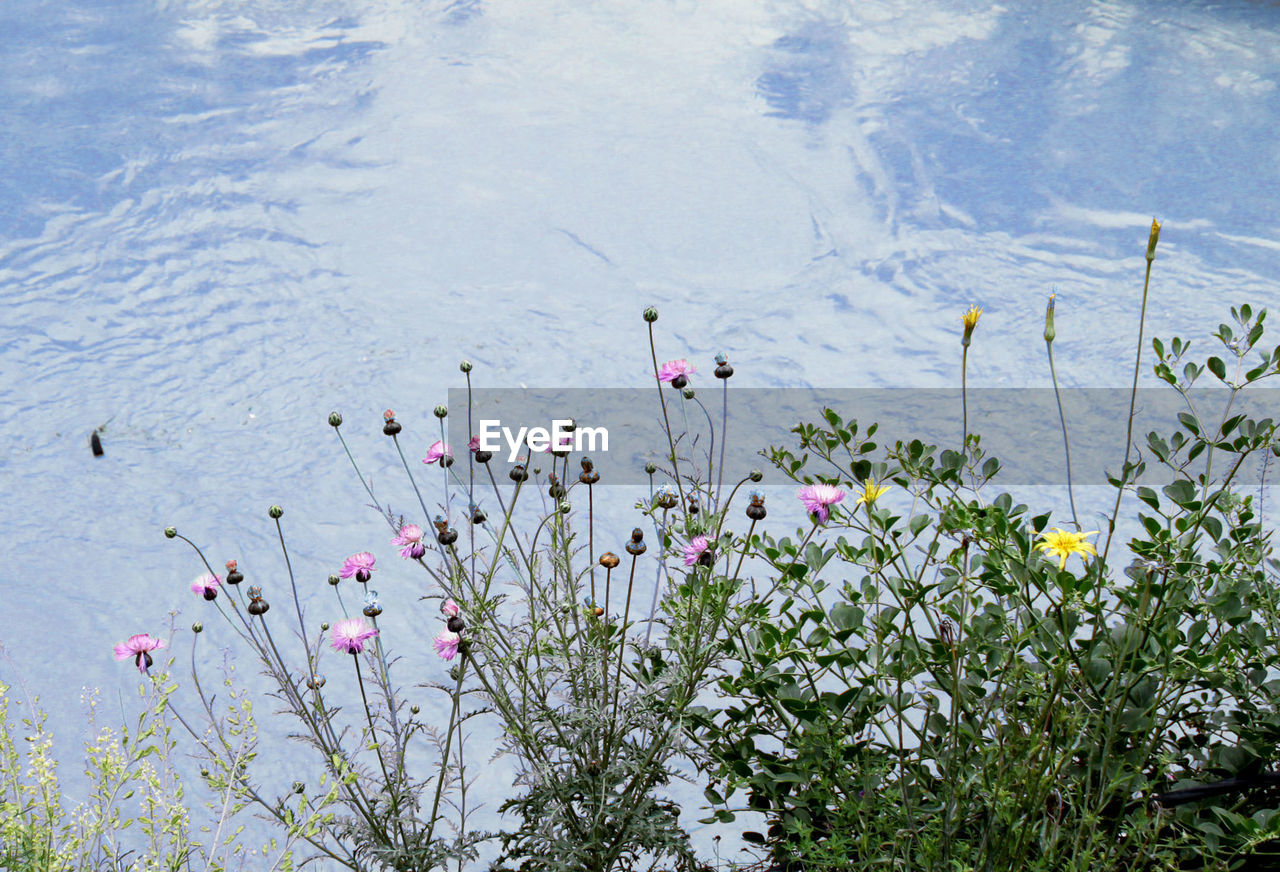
column 970, row 320
column 1153, row 239
column 1049, row 331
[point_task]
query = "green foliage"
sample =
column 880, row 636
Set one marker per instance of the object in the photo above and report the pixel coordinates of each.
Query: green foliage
column 135, row 816
column 931, row 691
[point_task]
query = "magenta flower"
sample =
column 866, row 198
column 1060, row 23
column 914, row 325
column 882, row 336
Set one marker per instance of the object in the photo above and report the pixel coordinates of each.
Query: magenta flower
column 207, row 586
column 360, row 565
column 819, row 498
column 450, row 608
column 436, row 452
column 410, row 540
column 695, row 549
column 446, row 644
column 137, row 648
column 474, row 445
column 673, row 369
column 350, row 635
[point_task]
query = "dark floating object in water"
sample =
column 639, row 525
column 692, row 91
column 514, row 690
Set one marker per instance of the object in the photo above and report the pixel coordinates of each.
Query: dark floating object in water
column 96, row 444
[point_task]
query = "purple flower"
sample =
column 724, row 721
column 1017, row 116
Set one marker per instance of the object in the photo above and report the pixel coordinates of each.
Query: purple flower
column 437, row 451
column 694, row 550
column 137, row 648
column 207, row 586
column 446, row 644
column 673, row 369
column 360, row 565
column 410, row 539
column 450, row 608
column 350, row 635
column 819, row 498
column 474, row 445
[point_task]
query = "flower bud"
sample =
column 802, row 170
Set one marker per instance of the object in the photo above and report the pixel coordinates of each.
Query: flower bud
column 1049, row 331
column 650, row 468
column 755, row 475
column 324, row 626
column 565, row 506
column 723, row 369
column 197, row 627
column 465, row 366
column 441, row 411
column 455, row 624
column 170, row 532
column 651, row 314
column 969, row 320
column 1152, row 239
column 636, row 546
column 390, row 426
column 518, row 473
column 316, row 681
column 598, row 612
column 275, row 512
column 334, row 580
column 413, row 710
column 689, row 393
column 609, row 560
column 477, row 516
column 335, row 420
column 298, row 787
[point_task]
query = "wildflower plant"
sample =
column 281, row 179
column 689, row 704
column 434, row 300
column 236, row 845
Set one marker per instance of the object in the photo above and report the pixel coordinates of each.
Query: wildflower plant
column 136, row 815
column 934, row 684
column 543, row 626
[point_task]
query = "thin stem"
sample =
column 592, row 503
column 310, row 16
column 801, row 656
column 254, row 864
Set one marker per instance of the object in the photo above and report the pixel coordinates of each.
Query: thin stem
column 426, row 516
column 302, row 630
column 1133, row 400
column 1066, row 444
column 666, row 420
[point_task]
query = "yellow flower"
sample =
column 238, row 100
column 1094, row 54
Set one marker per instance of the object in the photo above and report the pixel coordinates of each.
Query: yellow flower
column 1061, row 544
column 871, row 492
column 970, row 320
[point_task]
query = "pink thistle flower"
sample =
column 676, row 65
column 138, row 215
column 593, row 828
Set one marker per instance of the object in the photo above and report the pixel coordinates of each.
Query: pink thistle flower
column 137, row 648
column 410, row 540
column 695, row 549
column 207, row 586
column 360, row 565
column 450, row 608
column 474, row 445
column 437, row 452
column 446, row 644
column 673, row 369
column 350, row 635
column 819, row 498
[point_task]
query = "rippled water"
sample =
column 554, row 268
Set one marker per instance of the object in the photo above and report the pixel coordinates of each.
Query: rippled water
column 219, row 220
